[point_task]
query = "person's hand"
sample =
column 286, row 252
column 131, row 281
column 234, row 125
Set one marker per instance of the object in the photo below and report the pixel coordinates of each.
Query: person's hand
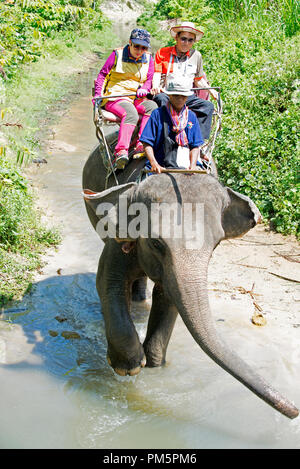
column 155, row 91
column 203, row 155
column 141, row 93
column 156, row 168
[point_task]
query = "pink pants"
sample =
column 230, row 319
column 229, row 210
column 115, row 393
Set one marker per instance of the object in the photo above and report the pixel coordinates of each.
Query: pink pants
column 129, row 114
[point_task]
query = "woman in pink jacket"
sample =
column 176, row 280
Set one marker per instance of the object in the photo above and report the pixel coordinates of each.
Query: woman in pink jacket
column 128, row 69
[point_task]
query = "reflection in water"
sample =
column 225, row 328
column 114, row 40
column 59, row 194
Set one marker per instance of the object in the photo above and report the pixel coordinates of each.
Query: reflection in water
column 59, row 392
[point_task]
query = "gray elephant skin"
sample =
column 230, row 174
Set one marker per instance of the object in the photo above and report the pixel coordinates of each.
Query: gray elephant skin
column 179, row 273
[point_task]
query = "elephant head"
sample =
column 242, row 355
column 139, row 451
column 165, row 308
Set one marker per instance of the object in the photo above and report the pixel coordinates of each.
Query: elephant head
column 178, row 264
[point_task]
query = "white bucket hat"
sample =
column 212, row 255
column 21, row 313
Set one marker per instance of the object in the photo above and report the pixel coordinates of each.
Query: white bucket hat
column 178, row 85
column 187, row 27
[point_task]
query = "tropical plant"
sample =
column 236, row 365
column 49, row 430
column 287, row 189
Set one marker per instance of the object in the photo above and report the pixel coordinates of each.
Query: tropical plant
column 26, row 24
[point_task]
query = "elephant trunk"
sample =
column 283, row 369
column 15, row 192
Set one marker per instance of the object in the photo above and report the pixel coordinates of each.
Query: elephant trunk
column 192, row 303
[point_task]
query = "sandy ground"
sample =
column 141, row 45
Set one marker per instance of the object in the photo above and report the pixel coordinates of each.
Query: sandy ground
column 117, row 11
column 262, row 268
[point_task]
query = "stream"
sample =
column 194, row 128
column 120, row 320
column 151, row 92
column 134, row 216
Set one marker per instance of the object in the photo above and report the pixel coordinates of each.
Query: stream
column 57, row 389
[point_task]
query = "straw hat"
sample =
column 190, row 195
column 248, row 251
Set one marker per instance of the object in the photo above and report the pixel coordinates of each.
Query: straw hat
column 187, row 27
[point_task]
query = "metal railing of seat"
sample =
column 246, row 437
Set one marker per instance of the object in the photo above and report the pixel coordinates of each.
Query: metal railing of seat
column 208, row 147
column 103, row 118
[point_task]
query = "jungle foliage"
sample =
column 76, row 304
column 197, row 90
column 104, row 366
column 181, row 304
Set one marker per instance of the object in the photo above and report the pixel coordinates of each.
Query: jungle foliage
column 25, row 26
column 251, row 49
column 22, row 236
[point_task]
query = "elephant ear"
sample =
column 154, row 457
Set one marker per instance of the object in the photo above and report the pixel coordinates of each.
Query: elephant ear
column 240, row 215
column 110, row 196
column 108, row 206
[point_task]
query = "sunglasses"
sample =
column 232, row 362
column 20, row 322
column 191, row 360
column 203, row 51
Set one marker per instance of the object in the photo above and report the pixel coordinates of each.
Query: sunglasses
column 137, row 46
column 186, row 39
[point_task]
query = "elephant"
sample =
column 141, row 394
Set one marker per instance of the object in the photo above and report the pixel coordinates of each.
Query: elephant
column 177, row 268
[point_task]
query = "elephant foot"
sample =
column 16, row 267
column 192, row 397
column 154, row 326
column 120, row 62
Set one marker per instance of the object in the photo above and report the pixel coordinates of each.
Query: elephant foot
column 127, row 371
column 154, row 362
column 155, row 356
column 155, row 353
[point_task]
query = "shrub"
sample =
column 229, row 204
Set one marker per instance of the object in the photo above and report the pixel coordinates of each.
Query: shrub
column 257, row 151
column 26, row 24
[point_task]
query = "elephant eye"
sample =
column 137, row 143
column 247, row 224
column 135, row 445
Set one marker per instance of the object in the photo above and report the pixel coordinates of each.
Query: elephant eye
column 157, row 245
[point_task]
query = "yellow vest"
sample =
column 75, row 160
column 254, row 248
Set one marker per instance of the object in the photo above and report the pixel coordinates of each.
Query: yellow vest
column 125, row 77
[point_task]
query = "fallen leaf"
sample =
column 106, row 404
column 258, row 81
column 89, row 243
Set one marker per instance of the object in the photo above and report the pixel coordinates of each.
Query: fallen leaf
column 258, row 319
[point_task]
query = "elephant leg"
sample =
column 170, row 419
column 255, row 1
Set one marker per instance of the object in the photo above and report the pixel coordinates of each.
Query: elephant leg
column 139, row 289
column 124, row 351
column 160, row 326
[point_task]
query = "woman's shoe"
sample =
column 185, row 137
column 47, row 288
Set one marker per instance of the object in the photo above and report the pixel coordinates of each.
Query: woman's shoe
column 120, row 159
column 139, row 151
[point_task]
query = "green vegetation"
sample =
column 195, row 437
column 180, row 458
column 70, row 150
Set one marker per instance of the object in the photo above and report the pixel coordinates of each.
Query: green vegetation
column 188, row 10
column 43, row 45
column 250, row 49
column 26, row 26
column 22, row 237
column 284, row 13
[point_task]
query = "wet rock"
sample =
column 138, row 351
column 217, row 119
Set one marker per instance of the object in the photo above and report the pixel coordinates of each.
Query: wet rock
column 70, row 335
column 60, row 318
column 53, row 333
column 39, row 161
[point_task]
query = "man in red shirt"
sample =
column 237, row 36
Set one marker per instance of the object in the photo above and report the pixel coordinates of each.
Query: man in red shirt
column 183, row 60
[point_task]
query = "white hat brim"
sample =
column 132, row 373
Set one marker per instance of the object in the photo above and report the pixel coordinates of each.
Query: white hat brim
column 181, row 93
column 177, row 29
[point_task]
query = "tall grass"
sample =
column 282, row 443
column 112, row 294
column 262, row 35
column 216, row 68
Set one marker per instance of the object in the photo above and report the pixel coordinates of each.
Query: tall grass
column 285, row 12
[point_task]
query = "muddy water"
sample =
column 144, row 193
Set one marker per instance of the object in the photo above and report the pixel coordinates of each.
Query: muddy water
column 57, row 390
